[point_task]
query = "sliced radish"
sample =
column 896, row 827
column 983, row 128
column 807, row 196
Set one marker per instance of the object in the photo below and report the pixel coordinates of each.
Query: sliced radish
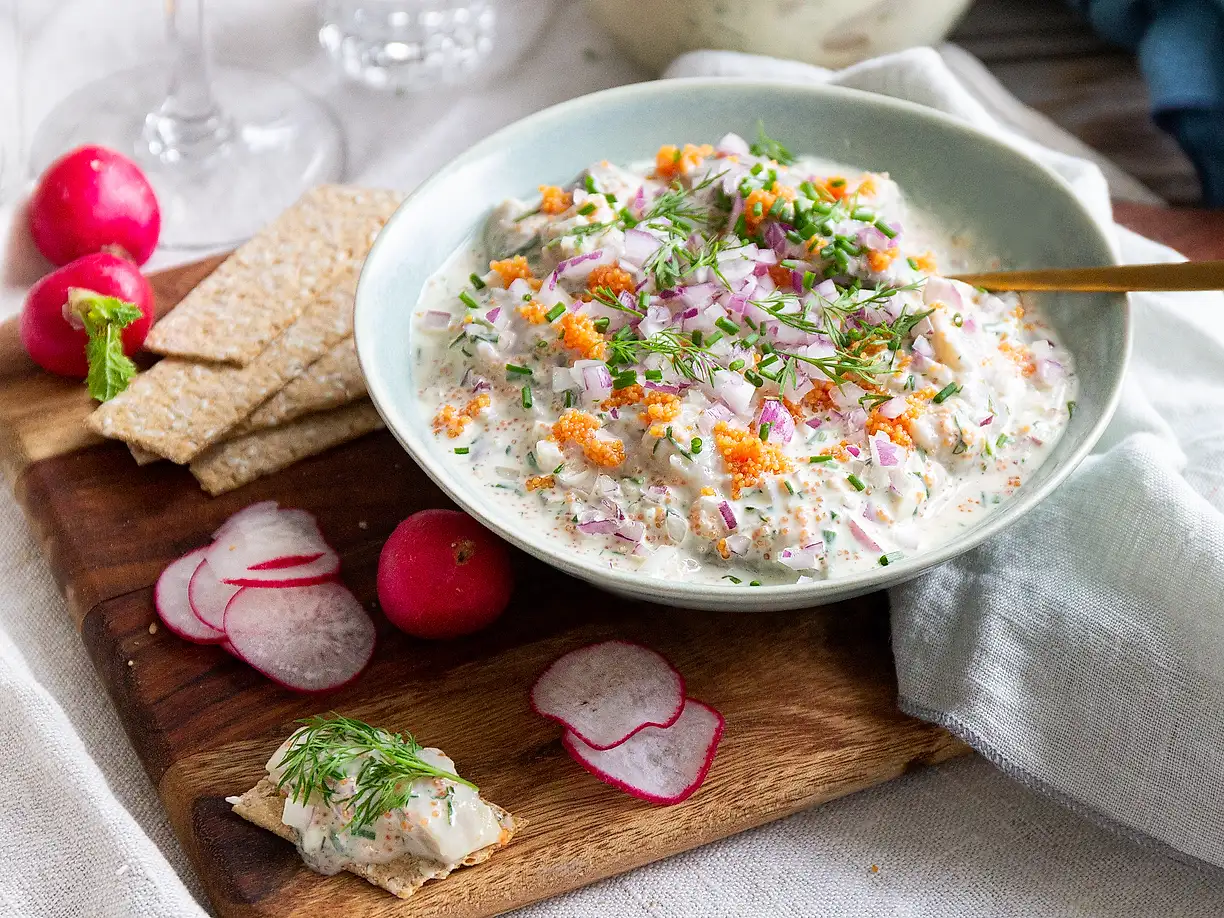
column 173, row 606
column 270, row 549
column 661, row 765
column 308, row 639
column 209, row 596
column 258, row 510
column 604, row 693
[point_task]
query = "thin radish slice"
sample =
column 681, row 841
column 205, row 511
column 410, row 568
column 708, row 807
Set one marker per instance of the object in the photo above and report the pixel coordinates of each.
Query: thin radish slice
column 604, row 693
column 277, row 564
column 661, row 765
column 264, row 509
column 322, row 570
column 173, row 606
column 308, row 639
column 209, row 596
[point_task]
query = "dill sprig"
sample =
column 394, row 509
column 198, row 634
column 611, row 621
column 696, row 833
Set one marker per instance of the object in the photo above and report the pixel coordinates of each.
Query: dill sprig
column 768, row 148
column 688, row 359
column 323, row 750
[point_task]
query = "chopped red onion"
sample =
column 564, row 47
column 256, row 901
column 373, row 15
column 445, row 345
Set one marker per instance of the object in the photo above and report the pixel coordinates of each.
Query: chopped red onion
column 596, row 379
column 733, row 145
column 924, row 327
column 597, row 525
column 569, row 263
column 700, row 295
column 923, row 346
column 639, row 246
column 639, row 200
column 884, row 452
column 657, row 318
column 765, row 257
column 869, row 237
column 662, row 387
column 728, row 515
column 814, row 423
column 861, row 534
column 711, row 416
column 738, row 544
column 775, row 237
column 631, row 531
column 781, row 424
column 942, row 290
column 856, row 417
column 435, row 319
column 733, row 389
column 853, row 451
column 562, row 379
column 801, row 559
column 826, row 290
column 1050, row 371
column 893, row 408
column 493, row 313
column 986, row 421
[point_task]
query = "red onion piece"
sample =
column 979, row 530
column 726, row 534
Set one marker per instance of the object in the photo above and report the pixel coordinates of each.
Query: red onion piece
column 596, row 379
column 781, row 424
column 569, row 263
column 861, row 534
column 814, row 423
column 433, row 319
column 893, row 408
column 802, row 559
column 986, row 421
column 884, row 452
column 738, row 544
column 733, row 145
column 631, row 531
column 733, row 389
column 942, row 290
column 826, row 290
column 639, row 246
column 728, row 515
column 923, row 346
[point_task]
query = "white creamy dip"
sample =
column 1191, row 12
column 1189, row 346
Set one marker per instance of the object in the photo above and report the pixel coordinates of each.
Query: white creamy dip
column 442, row 821
column 720, row 366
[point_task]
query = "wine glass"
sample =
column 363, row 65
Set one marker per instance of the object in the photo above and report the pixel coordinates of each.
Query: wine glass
column 225, row 149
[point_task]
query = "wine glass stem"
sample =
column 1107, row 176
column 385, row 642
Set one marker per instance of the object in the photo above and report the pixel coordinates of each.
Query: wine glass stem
column 188, row 124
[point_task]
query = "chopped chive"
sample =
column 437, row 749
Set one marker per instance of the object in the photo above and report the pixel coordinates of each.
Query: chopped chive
column 765, row 428
column 886, row 229
column 526, row 396
column 624, row 380
column 555, row 313
column 1070, row 410
column 748, row 321
column 913, row 263
column 461, row 450
column 856, row 482
column 557, row 470
column 569, row 398
column 1002, row 439
column 883, row 560
column 696, row 337
column 601, row 324
column 695, row 446
column 754, row 378
column 809, row 190
column 796, row 238
column 778, row 206
column 824, row 208
column 466, row 299
column 709, row 341
column 526, row 297
column 586, row 209
column 862, row 213
column 727, row 325
column 735, row 365
column 815, row 459
column 515, row 368
column 627, row 218
column 476, row 281
column 757, row 168
column 844, row 243
column 589, row 182
column 789, row 487
column 909, row 383
column 946, row 393
column 735, row 580
column 654, row 375
column 958, row 320
column 754, row 583
column 758, row 209
column 752, row 339
column 809, row 280
column 741, row 226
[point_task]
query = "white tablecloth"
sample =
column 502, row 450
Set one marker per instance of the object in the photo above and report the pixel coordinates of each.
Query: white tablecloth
column 82, row 831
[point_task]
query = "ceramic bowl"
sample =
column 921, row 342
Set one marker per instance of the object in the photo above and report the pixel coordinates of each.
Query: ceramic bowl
column 1013, row 207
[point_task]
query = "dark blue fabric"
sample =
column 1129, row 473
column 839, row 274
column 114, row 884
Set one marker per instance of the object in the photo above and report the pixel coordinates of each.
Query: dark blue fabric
column 1180, row 44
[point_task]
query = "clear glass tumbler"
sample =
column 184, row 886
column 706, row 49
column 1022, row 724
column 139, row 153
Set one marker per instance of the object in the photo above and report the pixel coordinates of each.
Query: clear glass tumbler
column 408, row 44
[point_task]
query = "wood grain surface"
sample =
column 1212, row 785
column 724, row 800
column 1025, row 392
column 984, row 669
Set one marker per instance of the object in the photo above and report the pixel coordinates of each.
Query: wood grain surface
column 809, row 697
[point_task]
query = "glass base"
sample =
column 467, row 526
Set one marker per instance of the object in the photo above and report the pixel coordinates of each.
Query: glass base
column 275, row 143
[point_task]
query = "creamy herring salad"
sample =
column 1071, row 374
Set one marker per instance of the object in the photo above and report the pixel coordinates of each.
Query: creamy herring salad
column 732, row 363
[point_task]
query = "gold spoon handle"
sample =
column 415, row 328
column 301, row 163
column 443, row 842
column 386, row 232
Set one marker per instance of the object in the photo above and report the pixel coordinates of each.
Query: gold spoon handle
column 1187, row 275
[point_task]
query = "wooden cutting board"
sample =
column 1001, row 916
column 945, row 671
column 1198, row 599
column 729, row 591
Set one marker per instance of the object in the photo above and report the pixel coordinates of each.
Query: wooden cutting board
column 809, row 697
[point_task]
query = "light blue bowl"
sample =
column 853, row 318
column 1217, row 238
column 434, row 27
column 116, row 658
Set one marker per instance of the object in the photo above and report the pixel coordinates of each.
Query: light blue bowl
column 1014, row 207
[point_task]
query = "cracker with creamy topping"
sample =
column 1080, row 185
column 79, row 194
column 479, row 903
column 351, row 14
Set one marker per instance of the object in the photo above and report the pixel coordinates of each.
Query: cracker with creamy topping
column 259, row 291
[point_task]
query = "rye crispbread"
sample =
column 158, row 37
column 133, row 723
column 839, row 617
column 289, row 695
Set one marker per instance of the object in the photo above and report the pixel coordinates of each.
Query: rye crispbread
column 331, row 381
column 263, row 805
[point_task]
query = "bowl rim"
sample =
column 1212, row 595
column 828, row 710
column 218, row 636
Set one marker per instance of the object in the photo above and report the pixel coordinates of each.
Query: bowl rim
column 775, row 595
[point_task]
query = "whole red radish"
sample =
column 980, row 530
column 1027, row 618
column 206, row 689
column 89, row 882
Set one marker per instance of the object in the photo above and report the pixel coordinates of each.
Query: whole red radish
column 443, row 575
column 59, row 346
column 94, row 200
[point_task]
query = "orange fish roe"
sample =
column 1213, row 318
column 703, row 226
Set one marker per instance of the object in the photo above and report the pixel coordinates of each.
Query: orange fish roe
column 553, row 200
column 780, row 275
column 926, row 262
column 748, row 457
column 820, row 398
column 534, row 312
column 661, row 407
column 867, row 187
column 752, row 218
column 898, row 429
column 671, row 161
column 707, row 492
column 723, row 550
column 879, row 261
column 453, row 421
column 511, row 269
column 540, row 481
column 612, row 276
column 630, row 395
column 785, row 192
column 578, row 427
column 1021, row 355
column 835, row 185
column 579, row 334
column 795, row 410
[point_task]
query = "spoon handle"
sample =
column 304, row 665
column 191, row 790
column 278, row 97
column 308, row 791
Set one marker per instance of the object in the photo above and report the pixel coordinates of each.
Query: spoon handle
column 1186, row 275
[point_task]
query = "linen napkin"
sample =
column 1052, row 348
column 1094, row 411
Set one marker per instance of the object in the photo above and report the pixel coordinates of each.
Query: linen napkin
column 1082, row 650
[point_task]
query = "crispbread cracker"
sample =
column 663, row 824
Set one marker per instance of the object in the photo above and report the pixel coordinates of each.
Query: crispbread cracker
column 264, row 805
column 331, row 381
column 142, row 455
column 257, row 292
column 179, row 407
column 232, row 464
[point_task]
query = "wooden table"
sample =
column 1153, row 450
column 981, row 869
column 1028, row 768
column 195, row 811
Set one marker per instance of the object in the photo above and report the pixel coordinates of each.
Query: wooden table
column 1049, row 59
